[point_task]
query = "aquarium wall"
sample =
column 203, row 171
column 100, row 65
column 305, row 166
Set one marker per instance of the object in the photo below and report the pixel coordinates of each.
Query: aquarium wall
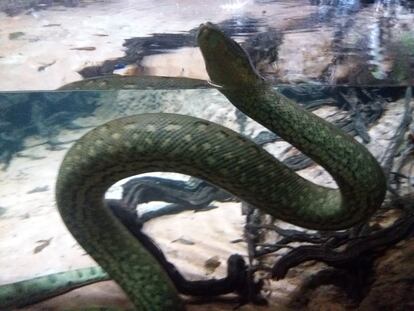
column 69, row 67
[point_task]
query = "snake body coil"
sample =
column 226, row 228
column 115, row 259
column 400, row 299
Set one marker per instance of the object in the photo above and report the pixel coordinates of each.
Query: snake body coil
column 183, row 144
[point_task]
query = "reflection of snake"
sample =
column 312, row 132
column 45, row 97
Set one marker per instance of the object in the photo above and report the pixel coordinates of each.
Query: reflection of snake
column 168, row 142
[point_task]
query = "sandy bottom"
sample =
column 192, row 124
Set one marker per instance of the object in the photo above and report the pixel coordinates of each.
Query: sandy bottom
column 36, row 242
column 55, row 44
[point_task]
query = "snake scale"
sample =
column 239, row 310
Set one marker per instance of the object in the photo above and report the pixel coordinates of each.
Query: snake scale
column 176, row 143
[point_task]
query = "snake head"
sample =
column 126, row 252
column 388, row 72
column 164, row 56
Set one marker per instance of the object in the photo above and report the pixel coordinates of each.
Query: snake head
column 227, row 64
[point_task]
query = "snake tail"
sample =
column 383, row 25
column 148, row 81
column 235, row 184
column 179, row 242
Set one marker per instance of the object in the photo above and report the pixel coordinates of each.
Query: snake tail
column 26, row 292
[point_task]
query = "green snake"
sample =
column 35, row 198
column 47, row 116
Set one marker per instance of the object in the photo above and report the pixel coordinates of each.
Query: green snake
column 177, row 143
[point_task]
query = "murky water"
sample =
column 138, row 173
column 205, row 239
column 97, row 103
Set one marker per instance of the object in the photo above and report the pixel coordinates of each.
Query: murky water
column 333, row 42
column 37, row 129
column 43, row 115
column 348, row 61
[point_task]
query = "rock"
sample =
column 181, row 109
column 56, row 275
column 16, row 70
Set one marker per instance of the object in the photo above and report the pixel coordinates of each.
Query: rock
column 391, row 289
column 211, row 264
column 327, row 298
column 393, row 284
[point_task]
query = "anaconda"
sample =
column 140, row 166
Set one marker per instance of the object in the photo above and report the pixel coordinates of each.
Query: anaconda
column 117, row 82
column 188, row 145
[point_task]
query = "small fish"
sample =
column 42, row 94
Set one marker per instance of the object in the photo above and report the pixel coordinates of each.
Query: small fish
column 183, row 241
column 39, row 189
column 237, row 241
column 43, row 244
column 43, row 67
column 85, row 48
column 51, row 25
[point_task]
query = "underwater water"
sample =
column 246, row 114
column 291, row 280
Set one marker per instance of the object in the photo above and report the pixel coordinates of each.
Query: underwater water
column 47, row 44
column 38, row 128
column 349, row 62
